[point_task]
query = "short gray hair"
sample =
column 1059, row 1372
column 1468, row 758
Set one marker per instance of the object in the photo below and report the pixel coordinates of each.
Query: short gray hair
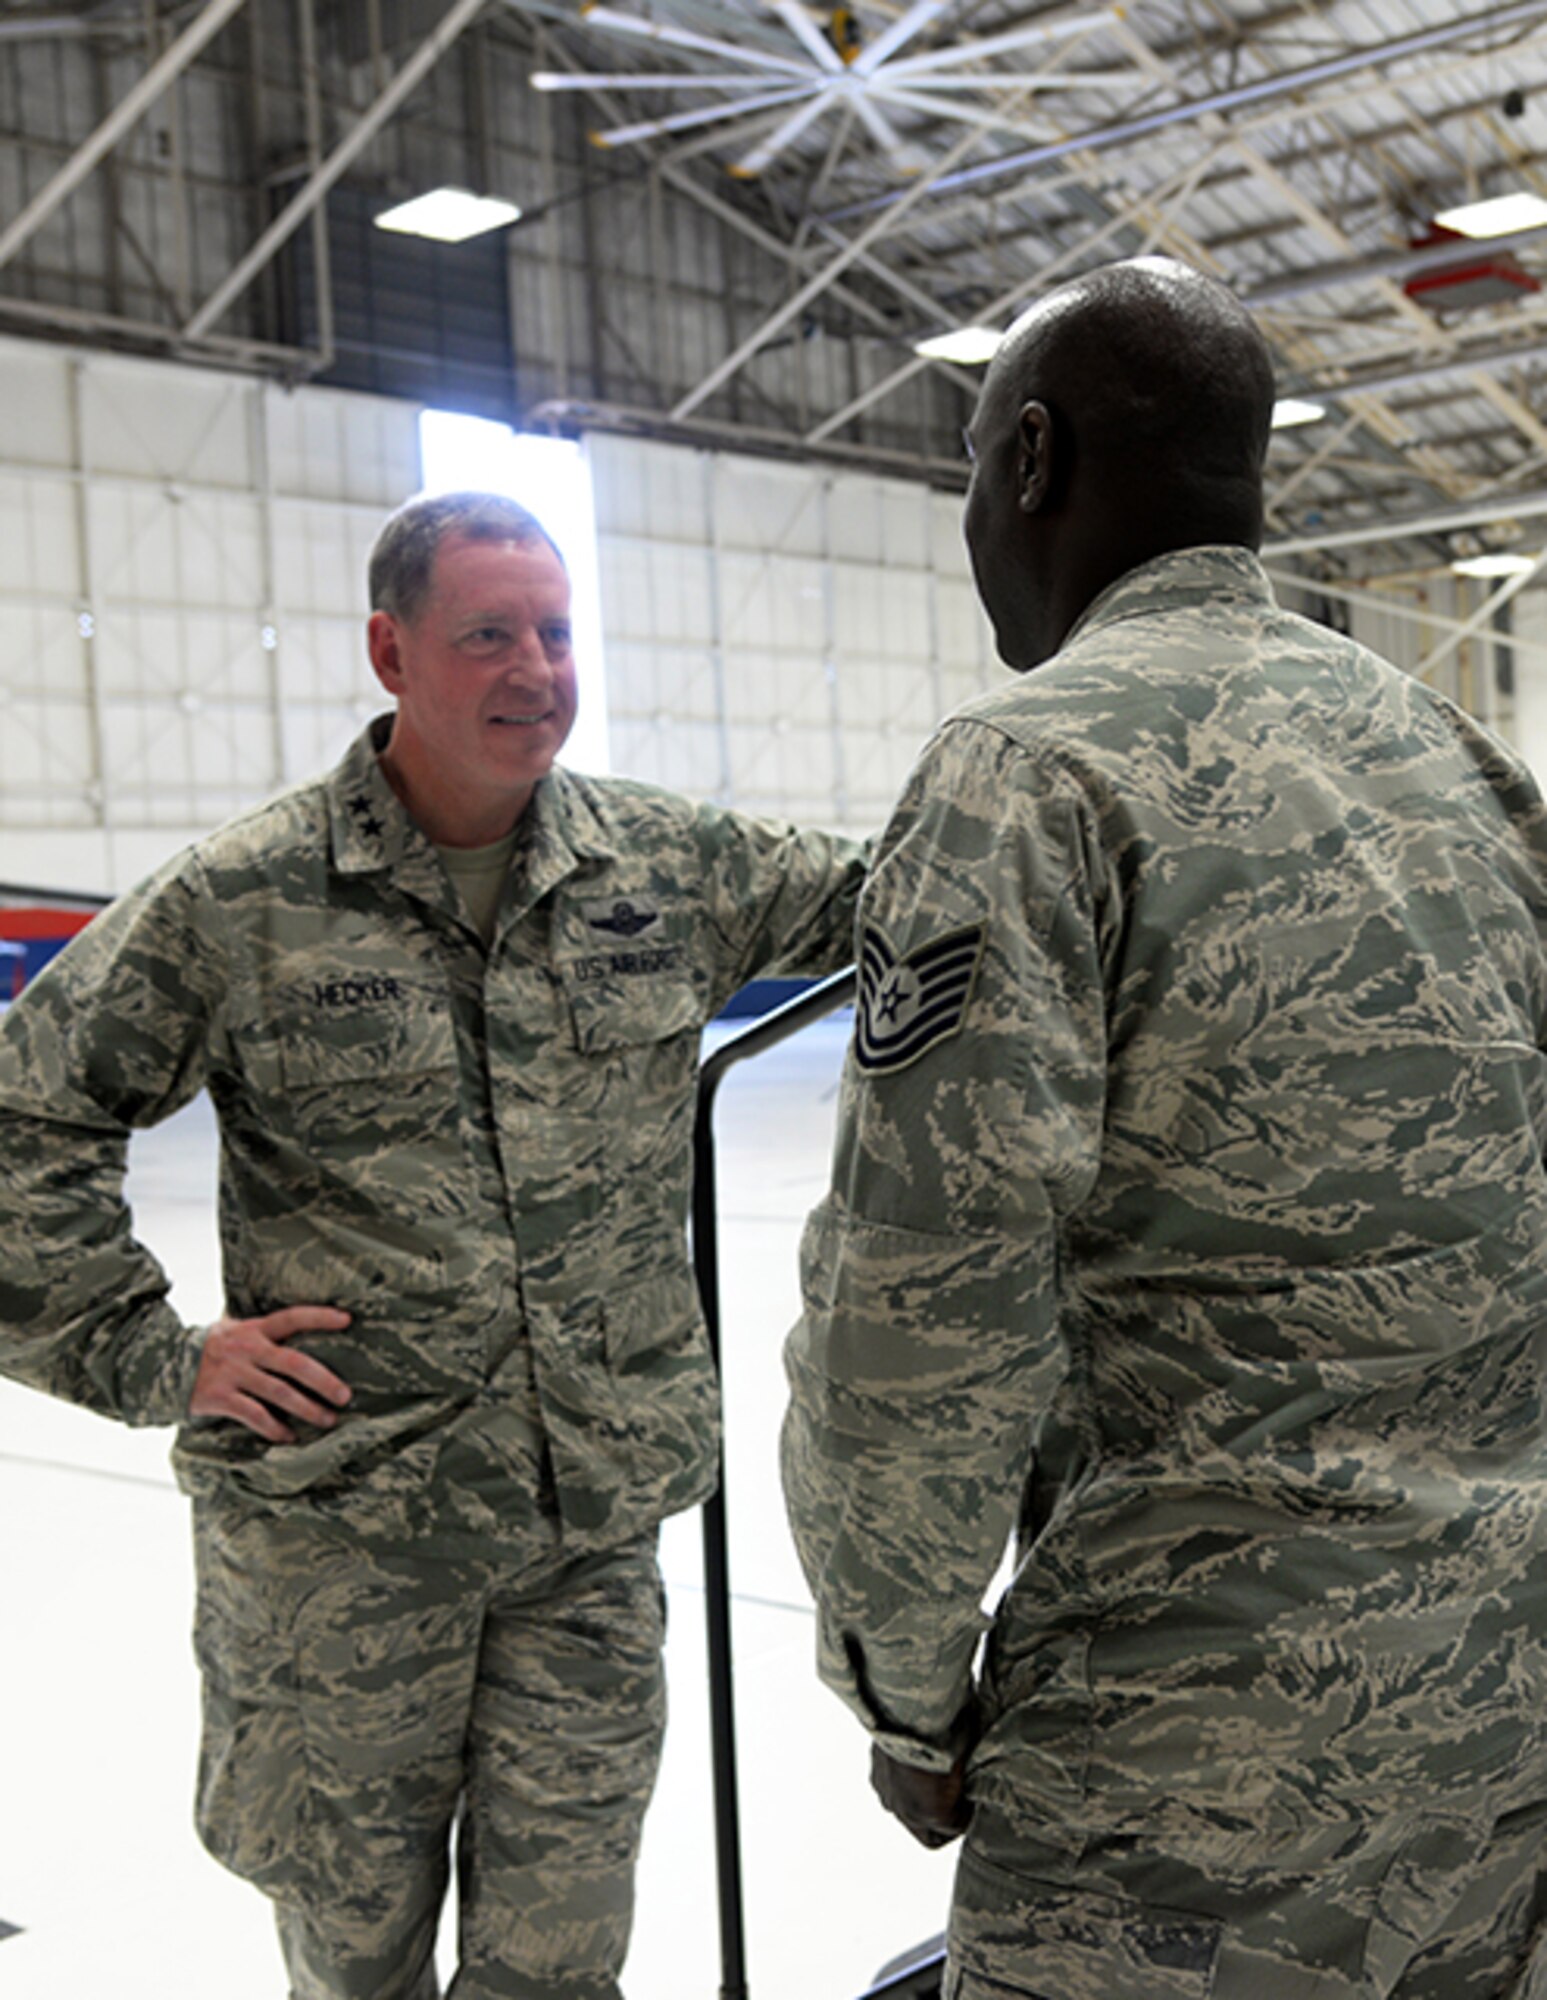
column 404, row 555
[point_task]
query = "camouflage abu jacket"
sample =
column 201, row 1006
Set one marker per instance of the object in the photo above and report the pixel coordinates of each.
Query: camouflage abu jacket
column 1188, row 1221
column 484, row 1159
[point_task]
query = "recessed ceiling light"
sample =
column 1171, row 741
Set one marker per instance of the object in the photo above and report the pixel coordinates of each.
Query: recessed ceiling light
column 1289, row 411
column 972, row 345
column 1497, row 563
column 448, row 215
column 1500, row 216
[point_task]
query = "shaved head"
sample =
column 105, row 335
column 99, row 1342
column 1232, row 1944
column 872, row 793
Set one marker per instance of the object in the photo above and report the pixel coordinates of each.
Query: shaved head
column 1125, row 415
column 1158, row 369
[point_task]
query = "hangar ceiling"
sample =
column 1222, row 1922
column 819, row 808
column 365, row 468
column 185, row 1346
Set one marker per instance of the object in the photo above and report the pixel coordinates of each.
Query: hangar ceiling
column 739, row 216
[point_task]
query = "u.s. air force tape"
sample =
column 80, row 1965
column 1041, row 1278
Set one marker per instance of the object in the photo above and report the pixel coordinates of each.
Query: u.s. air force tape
column 908, row 1004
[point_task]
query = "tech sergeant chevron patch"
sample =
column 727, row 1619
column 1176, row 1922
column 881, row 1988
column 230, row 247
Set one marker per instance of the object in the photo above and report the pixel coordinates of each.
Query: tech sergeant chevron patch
column 908, row 1004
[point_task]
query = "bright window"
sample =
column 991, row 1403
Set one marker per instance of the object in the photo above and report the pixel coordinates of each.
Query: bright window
column 551, row 477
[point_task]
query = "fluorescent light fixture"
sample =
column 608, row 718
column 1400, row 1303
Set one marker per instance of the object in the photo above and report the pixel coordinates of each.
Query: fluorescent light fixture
column 1497, row 563
column 1501, row 216
column 971, row 345
column 1290, row 411
column 448, row 214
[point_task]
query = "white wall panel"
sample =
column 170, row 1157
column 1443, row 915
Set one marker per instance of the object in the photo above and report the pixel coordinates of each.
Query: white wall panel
column 326, row 446
column 663, row 588
column 47, row 763
column 39, row 537
column 684, row 755
column 784, row 769
column 774, row 601
column 780, row 637
column 664, row 682
column 314, row 738
column 182, row 596
column 36, row 421
column 175, row 544
column 175, row 424
column 317, row 558
column 776, row 509
column 1526, row 722
column 657, row 492
column 882, row 611
column 42, row 654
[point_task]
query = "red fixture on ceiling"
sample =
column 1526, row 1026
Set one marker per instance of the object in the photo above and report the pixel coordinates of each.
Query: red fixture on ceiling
column 1483, row 279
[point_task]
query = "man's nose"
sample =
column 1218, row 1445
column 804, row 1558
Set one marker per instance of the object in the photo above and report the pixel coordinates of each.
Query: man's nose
column 529, row 657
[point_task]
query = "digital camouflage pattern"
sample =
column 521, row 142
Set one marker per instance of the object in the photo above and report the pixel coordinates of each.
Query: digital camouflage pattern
column 484, row 1159
column 355, row 1699
column 1433, row 1905
column 1206, row 1254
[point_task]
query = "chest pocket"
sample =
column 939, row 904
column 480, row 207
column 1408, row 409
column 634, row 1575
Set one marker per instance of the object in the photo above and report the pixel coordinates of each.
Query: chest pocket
column 369, row 1046
column 371, row 1078
column 624, row 1013
column 628, row 969
column 632, row 1081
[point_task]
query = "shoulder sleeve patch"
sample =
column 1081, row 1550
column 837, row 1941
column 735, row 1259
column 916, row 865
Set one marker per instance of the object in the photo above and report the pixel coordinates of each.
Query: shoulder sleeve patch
column 906, row 1005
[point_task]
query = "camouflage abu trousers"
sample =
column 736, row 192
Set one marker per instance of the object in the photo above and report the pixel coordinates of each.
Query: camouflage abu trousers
column 1435, row 1907
column 362, row 1710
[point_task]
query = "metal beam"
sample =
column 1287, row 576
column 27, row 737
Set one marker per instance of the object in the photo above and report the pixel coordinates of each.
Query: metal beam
column 1378, row 381
column 1380, row 603
column 112, row 329
column 1397, row 527
column 1395, row 264
column 52, row 26
column 111, row 130
column 675, row 175
column 580, row 414
column 316, row 188
column 1511, row 587
column 820, row 283
column 1287, row 82
column 1017, row 294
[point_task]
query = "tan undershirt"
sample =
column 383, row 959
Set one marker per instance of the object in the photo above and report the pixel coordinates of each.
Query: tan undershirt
column 478, row 874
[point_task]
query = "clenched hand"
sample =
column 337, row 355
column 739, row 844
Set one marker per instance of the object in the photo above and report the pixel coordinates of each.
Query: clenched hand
column 932, row 1805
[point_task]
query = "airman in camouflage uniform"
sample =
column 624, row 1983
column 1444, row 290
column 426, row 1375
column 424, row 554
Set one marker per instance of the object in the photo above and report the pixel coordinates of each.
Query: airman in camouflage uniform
column 1188, row 1229
column 455, row 1150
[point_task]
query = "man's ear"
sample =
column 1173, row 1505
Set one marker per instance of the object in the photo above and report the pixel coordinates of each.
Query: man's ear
column 381, row 642
column 1034, row 463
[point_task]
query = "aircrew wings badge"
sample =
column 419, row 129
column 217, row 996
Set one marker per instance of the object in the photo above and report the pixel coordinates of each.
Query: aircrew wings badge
column 908, row 1004
column 621, row 917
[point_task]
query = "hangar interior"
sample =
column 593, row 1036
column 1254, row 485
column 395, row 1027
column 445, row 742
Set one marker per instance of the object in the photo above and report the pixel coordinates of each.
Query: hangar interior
column 738, row 220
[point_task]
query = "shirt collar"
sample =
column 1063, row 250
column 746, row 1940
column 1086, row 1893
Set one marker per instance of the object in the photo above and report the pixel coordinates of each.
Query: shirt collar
column 1175, row 580
column 565, row 825
column 370, row 827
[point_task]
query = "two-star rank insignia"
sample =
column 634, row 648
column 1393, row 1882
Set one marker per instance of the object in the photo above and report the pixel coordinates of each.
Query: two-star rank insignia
column 621, row 918
column 365, row 815
column 908, row 1004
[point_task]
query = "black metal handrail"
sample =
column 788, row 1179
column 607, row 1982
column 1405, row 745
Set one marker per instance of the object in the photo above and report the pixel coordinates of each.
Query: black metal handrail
column 765, row 1033
column 65, row 898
